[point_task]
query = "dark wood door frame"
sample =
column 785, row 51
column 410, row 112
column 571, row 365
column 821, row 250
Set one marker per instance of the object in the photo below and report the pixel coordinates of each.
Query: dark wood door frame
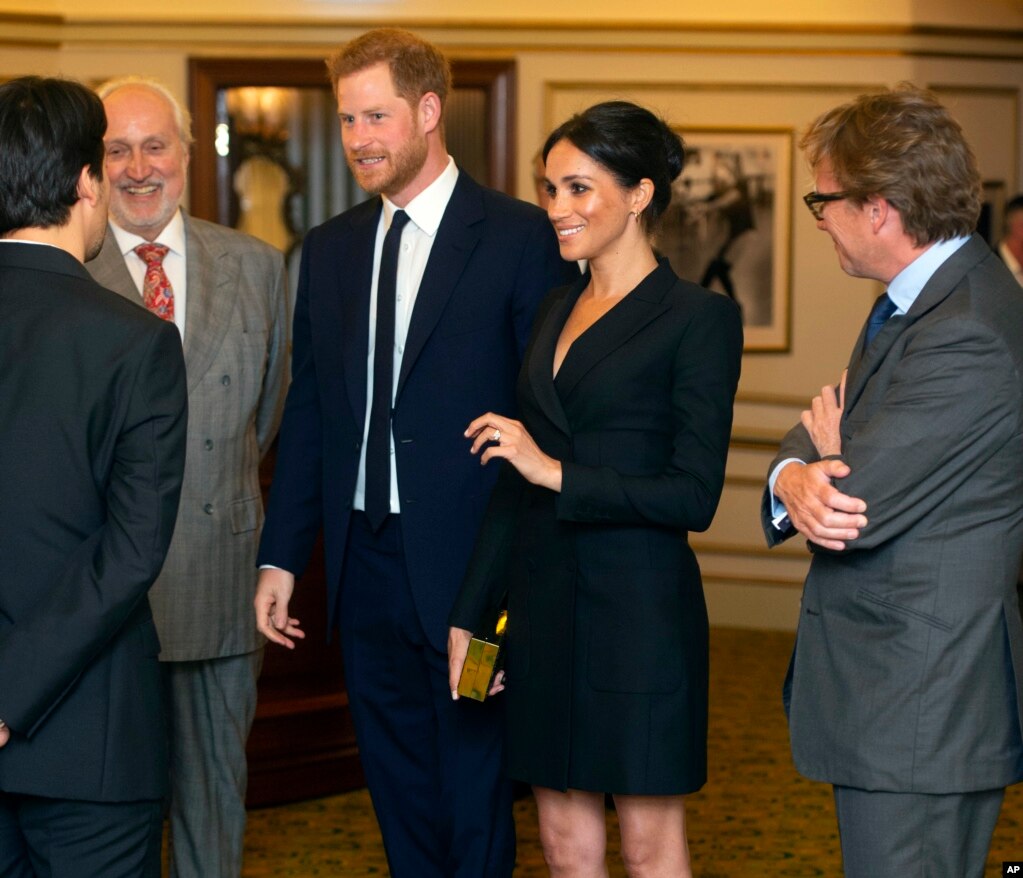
column 207, row 76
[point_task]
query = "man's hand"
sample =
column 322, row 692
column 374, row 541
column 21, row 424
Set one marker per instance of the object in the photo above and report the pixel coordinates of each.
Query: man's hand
column 816, row 508
column 5, row 733
column 272, row 596
column 823, row 419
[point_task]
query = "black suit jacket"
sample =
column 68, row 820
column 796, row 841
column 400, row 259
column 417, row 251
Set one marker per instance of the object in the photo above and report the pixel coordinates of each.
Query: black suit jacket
column 92, row 403
column 493, row 260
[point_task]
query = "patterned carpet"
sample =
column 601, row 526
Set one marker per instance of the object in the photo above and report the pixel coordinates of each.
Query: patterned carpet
column 756, row 816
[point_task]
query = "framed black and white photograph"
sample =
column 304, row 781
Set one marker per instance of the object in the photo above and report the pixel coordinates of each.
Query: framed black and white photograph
column 727, row 227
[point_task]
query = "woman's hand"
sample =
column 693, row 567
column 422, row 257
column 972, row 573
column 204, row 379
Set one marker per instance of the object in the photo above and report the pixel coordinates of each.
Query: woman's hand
column 458, row 647
column 508, row 439
column 824, row 417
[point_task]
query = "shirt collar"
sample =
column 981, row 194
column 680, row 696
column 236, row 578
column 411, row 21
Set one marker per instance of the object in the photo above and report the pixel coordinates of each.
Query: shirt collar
column 172, row 236
column 426, row 210
column 907, row 284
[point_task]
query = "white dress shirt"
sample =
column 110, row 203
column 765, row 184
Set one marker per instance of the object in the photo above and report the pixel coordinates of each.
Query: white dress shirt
column 174, row 263
column 425, row 212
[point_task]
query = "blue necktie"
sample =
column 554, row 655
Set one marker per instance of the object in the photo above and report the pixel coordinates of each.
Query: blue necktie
column 883, row 308
column 378, row 443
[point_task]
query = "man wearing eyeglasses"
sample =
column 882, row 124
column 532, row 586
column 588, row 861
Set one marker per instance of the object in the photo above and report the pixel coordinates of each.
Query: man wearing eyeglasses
column 904, row 690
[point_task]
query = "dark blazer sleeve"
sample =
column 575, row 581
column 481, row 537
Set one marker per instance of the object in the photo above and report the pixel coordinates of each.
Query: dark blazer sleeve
column 541, row 269
column 485, row 584
column 294, row 511
column 275, row 380
column 104, row 580
column 686, row 493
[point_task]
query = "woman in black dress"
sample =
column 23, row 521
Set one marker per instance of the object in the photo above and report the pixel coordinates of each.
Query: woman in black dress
column 625, row 396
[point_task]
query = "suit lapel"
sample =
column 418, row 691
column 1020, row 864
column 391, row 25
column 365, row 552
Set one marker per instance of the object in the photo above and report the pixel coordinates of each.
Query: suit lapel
column 210, row 301
column 457, row 236
column 540, row 361
column 863, row 364
column 353, row 278
column 615, row 328
column 109, row 270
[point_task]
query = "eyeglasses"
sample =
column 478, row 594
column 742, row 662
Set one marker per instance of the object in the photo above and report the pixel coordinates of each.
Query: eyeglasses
column 814, row 200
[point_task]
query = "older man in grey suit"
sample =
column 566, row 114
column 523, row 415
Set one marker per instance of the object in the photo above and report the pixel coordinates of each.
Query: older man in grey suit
column 227, row 294
column 904, row 689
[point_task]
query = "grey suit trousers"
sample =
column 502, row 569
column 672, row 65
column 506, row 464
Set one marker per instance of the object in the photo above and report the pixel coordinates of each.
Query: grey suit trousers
column 915, row 835
column 212, row 704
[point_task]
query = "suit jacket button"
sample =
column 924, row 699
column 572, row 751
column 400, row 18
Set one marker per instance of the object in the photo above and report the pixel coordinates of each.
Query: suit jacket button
column 226, row 380
column 209, row 444
column 208, row 509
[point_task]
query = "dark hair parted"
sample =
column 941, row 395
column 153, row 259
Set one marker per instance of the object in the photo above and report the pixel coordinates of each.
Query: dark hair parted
column 902, row 145
column 49, row 130
column 631, row 143
column 417, row 67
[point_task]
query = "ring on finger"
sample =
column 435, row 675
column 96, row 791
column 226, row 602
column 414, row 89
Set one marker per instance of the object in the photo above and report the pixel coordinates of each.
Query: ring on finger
column 496, row 437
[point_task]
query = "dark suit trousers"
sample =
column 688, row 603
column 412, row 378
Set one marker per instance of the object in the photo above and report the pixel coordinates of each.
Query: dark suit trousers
column 915, row 835
column 59, row 838
column 434, row 767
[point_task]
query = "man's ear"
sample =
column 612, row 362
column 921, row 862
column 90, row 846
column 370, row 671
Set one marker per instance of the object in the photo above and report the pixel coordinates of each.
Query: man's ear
column 429, row 111
column 89, row 188
column 879, row 211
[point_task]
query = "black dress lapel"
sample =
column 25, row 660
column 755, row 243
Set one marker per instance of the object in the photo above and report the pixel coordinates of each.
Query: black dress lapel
column 615, row 328
column 540, row 358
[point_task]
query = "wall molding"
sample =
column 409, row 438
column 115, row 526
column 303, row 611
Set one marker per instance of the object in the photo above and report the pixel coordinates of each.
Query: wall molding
column 279, row 35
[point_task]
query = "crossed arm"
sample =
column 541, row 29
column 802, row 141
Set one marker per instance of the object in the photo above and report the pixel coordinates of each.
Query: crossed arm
column 950, row 402
column 815, row 507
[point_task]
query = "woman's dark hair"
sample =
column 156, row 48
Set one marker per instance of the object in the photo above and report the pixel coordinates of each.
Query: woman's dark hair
column 631, row 143
column 49, row 130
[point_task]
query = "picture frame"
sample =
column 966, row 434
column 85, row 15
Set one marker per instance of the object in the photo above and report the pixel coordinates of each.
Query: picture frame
column 728, row 226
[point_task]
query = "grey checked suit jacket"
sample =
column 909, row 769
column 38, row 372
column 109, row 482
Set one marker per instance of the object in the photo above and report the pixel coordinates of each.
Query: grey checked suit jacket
column 908, row 664
column 236, row 357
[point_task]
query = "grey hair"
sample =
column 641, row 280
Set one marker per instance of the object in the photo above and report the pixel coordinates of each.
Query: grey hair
column 182, row 118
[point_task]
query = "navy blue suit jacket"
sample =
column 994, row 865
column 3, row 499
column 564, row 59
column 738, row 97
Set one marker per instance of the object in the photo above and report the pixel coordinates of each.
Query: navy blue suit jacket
column 493, row 260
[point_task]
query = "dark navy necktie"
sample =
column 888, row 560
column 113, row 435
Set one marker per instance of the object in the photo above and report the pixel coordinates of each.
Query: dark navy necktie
column 883, row 308
column 378, row 444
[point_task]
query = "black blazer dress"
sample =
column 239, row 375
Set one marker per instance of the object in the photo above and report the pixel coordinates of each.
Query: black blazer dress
column 607, row 630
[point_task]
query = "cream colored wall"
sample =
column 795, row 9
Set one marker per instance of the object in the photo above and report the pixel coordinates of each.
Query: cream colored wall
column 777, row 78
column 991, row 13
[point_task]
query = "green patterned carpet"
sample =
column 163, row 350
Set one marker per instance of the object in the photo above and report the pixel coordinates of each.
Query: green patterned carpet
column 756, row 816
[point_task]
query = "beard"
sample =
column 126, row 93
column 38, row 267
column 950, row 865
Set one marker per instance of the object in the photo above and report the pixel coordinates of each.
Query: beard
column 397, row 171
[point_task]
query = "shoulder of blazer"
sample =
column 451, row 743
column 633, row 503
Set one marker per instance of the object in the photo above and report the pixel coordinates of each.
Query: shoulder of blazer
column 509, row 212
column 221, row 239
column 359, row 220
column 952, row 273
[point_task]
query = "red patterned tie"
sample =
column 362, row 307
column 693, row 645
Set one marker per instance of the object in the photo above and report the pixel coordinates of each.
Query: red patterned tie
column 157, row 294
